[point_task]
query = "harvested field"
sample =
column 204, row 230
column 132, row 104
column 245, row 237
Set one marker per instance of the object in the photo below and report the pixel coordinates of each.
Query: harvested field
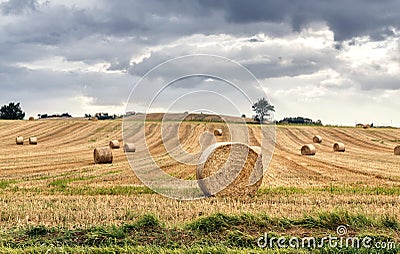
column 56, row 182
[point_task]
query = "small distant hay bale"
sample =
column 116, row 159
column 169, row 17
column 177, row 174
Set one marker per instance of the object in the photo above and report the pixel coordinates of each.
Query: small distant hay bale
column 33, row 141
column 317, row 139
column 114, row 144
column 93, row 119
column 308, row 149
column 19, row 140
column 397, row 150
column 230, row 169
column 339, row 147
column 31, row 118
column 217, row 132
column 129, row 147
column 102, row 155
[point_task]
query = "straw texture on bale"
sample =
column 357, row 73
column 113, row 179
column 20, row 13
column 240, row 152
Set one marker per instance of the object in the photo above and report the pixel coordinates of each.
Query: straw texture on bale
column 33, row 141
column 31, row 118
column 114, row 144
column 397, row 150
column 19, row 140
column 308, row 149
column 230, row 169
column 129, row 147
column 217, row 132
column 317, row 139
column 339, row 147
column 102, row 155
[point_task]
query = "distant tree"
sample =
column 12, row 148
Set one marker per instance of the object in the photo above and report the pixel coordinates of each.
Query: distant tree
column 65, row 115
column 243, row 116
column 300, row 120
column 262, row 109
column 256, row 119
column 12, row 111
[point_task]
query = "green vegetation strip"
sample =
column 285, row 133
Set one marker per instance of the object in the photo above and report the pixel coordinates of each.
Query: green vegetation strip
column 91, row 191
column 218, row 233
column 60, row 186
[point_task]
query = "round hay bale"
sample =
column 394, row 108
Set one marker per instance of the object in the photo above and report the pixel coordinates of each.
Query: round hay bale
column 308, row 149
column 217, row 132
column 102, row 155
column 317, row 139
column 114, row 144
column 129, row 147
column 230, row 169
column 19, row 140
column 339, row 147
column 31, row 118
column 397, row 150
column 33, row 141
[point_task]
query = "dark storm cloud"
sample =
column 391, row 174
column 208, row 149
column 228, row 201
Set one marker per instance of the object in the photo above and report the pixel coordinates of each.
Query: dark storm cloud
column 346, row 18
column 155, row 21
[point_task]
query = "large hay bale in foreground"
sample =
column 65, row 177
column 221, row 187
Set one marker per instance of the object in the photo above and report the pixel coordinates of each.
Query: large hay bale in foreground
column 308, row 149
column 317, row 139
column 339, row 147
column 230, row 169
column 102, row 155
column 217, row 132
column 129, row 147
column 19, row 140
column 114, row 144
column 33, row 141
column 397, row 150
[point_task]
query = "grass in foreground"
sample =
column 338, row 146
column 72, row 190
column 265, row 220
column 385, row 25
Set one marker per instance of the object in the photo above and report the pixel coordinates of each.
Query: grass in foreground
column 218, row 233
column 61, row 186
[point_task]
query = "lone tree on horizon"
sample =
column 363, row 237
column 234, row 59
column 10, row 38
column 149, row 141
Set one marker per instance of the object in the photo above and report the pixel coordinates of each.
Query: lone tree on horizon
column 262, row 109
column 12, row 111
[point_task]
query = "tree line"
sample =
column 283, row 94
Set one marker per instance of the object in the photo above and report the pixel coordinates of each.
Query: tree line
column 12, row 111
column 262, row 108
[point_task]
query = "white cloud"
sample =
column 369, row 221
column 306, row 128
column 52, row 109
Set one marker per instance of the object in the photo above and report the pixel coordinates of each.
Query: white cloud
column 86, row 104
column 58, row 63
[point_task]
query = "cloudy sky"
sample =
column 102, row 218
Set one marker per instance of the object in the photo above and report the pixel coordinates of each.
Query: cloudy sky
column 328, row 60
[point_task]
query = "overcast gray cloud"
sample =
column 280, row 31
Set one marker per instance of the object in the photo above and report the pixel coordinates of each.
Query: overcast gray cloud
column 346, row 19
column 18, row 6
column 85, row 56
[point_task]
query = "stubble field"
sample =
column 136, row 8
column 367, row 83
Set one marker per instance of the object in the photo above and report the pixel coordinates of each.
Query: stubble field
column 55, row 184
